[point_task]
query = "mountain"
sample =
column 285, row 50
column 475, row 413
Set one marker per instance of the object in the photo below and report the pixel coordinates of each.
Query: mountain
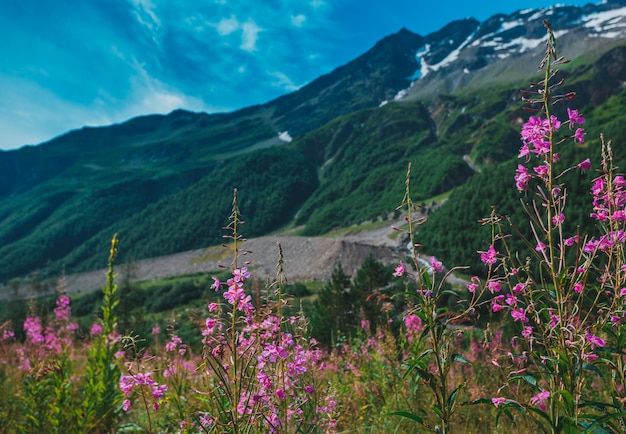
column 330, row 154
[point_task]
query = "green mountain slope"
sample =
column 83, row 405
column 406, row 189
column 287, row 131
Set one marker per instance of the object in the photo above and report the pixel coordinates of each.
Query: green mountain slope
column 165, row 183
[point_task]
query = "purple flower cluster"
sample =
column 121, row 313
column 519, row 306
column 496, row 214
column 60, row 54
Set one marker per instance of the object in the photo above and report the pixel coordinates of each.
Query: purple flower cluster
column 140, row 381
column 537, row 136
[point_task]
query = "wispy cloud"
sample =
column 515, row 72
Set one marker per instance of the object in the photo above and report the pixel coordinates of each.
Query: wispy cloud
column 249, row 36
column 226, row 26
column 298, row 20
column 65, row 64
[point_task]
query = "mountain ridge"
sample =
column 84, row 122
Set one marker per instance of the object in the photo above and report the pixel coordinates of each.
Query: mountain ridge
column 165, row 181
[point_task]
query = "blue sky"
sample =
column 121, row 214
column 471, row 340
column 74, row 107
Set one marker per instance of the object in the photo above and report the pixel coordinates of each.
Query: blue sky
column 65, row 64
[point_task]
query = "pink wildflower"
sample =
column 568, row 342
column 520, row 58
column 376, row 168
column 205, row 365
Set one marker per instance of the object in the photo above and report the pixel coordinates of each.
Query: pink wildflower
column 540, row 399
column 595, row 341
column 584, row 165
column 494, row 286
column 527, row 332
column 471, row 287
column 519, row 315
column 489, row 257
column 574, row 117
column 558, row 219
column 437, row 265
column 96, row 329
column 542, row 171
column 498, row 401
column 522, row 177
column 541, row 247
column 579, row 136
column 399, row 270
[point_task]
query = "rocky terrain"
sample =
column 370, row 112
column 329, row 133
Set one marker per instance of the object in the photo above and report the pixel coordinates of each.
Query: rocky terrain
column 304, row 259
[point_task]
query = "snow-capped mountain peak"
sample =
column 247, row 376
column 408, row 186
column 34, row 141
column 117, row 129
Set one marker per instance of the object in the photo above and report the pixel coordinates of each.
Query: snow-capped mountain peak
column 504, row 46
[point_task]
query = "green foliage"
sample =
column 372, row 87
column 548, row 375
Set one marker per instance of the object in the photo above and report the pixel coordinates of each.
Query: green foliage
column 342, row 303
column 330, row 315
column 102, row 403
column 367, row 292
column 360, row 156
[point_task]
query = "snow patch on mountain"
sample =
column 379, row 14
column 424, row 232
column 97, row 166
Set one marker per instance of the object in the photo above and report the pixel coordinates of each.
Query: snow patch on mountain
column 510, row 25
column 284, row 136
column 602, row 22
column 450, row 58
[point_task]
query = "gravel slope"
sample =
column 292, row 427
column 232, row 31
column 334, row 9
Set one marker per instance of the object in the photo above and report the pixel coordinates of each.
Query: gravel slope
column 304, row 258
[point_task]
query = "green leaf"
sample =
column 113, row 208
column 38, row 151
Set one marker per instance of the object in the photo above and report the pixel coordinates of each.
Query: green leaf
column 438, row 411
column 568, row 400
column 527, row 378
column 417, row 365
column 599, row 423
column 461, row 359
column 408, row 415
column 504, row 409
column 452, row 396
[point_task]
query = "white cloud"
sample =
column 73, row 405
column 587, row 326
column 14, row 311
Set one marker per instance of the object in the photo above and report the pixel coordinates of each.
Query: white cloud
column 145, row 9
column 249, row 36
column 282, row 81
column 228, row 26
column 298, row 20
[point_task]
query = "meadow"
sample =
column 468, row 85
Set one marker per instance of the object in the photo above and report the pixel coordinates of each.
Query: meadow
column 534, row 342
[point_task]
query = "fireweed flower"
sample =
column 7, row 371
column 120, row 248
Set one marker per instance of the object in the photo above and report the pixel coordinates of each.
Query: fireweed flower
column 554, row 319
column 527, row 332
column 522, row 177
column 495, row 303
column 129, row 382
column 489, row 257
column 399, row 271
column 413, row 324
column 511, row 300
column 498, row 401
column 520, row 288
column 584, row 165
column 96, row 329
column 235, row 294
column 574, row 117
column 595, row 341
column 534, row 130
column 471, row 287
column 541, row 247
column 437, row 265
column 519, row 315
column 494, row 286
column 62, row 309
column 556, row 123
column 579, row 136
column 542, row 171
column 540, row 399
column 558, row 219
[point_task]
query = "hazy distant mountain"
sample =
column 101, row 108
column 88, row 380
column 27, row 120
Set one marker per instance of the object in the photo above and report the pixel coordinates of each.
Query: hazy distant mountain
column 331, row 154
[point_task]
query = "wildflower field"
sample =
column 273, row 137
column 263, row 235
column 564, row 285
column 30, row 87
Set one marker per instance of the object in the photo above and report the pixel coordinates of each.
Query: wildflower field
column 533, row 344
